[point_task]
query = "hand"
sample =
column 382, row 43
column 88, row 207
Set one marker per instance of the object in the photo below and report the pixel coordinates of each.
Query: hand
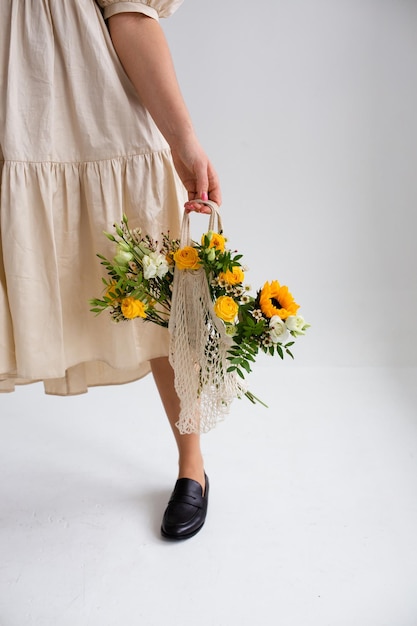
column 197, row 174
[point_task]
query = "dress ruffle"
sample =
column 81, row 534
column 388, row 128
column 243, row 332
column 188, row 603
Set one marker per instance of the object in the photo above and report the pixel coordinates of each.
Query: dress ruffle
column 52, row 220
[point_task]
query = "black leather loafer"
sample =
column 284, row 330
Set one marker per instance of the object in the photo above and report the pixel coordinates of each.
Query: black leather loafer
column 186, row 511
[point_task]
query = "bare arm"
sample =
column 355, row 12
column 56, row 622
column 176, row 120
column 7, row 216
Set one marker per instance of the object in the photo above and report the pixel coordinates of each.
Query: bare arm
column 143, row 51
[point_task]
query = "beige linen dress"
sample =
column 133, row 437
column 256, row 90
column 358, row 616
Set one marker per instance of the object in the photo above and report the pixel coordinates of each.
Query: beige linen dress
column 77, row 149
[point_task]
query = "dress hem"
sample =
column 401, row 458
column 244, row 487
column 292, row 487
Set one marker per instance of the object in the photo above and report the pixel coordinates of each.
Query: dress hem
column 64, row 386
column 124, row 157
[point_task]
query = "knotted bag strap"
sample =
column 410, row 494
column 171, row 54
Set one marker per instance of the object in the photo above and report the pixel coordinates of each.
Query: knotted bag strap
column 215, row 222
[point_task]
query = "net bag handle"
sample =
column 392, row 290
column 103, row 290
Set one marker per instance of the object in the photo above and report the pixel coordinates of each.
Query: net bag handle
column 215, row 222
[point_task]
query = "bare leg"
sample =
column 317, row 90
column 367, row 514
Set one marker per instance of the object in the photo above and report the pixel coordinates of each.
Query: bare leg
column 191, row 464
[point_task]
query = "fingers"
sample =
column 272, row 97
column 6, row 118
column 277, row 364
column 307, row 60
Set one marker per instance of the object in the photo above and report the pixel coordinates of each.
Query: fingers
column 213, row 191
column 192, row 205
column 202, row 181
column 201, row 186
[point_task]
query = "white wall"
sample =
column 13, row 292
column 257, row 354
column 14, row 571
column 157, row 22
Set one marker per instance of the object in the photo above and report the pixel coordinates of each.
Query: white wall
column 308, row 111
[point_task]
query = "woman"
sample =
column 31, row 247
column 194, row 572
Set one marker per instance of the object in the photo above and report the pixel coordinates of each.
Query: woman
column 92, row 124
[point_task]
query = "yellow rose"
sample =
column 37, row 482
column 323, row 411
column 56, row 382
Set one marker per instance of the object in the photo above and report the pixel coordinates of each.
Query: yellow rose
column 187, row 258
column 233, row 277
column 226, row 308
column 132, row 308
column 216, row 240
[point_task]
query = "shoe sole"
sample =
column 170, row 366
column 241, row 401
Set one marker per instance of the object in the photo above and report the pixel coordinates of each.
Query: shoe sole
column 166, row 535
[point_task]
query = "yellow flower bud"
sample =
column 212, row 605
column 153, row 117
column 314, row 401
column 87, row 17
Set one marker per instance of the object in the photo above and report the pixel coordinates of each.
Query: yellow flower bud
column 111, row 292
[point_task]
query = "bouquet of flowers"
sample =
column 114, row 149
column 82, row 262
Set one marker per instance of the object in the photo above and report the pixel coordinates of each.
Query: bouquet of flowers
column 140, row 283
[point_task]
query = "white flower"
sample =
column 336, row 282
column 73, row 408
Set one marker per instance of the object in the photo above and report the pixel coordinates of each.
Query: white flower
column 296, row 324
column 154, row 264
column 163, row 266
column 257, row 314
column 231, row 330
column 278, row 331
column 123, row 257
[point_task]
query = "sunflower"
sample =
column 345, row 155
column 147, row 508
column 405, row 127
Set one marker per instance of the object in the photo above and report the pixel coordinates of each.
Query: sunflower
column 277, row 300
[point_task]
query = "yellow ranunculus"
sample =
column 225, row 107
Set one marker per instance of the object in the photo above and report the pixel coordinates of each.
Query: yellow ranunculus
column 131, row 308
column 226, row 308
column 187, row 258
column 216, row 240
column 277, row 300
column 233, row 277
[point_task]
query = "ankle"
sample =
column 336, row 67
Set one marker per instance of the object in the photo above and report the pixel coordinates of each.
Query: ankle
column 193, row 469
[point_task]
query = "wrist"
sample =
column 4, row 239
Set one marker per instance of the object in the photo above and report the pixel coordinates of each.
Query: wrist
column 178, row 137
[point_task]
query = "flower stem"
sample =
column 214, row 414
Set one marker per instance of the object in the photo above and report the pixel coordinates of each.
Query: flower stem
column 254, row 399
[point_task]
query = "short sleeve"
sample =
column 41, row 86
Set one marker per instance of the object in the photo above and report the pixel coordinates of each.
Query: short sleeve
column 152, row 8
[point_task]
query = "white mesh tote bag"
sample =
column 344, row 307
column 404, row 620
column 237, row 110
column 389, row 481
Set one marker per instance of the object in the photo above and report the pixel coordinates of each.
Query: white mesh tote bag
column 198, row 345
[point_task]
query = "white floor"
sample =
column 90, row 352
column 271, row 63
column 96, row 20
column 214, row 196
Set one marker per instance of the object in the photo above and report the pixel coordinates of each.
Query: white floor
column 312, row 518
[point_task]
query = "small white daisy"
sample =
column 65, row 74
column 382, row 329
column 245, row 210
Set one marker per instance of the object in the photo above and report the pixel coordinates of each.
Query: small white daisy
column 257, row 314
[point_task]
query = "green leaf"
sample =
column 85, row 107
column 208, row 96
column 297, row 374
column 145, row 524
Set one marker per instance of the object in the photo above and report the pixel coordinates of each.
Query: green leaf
column 246, row 366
